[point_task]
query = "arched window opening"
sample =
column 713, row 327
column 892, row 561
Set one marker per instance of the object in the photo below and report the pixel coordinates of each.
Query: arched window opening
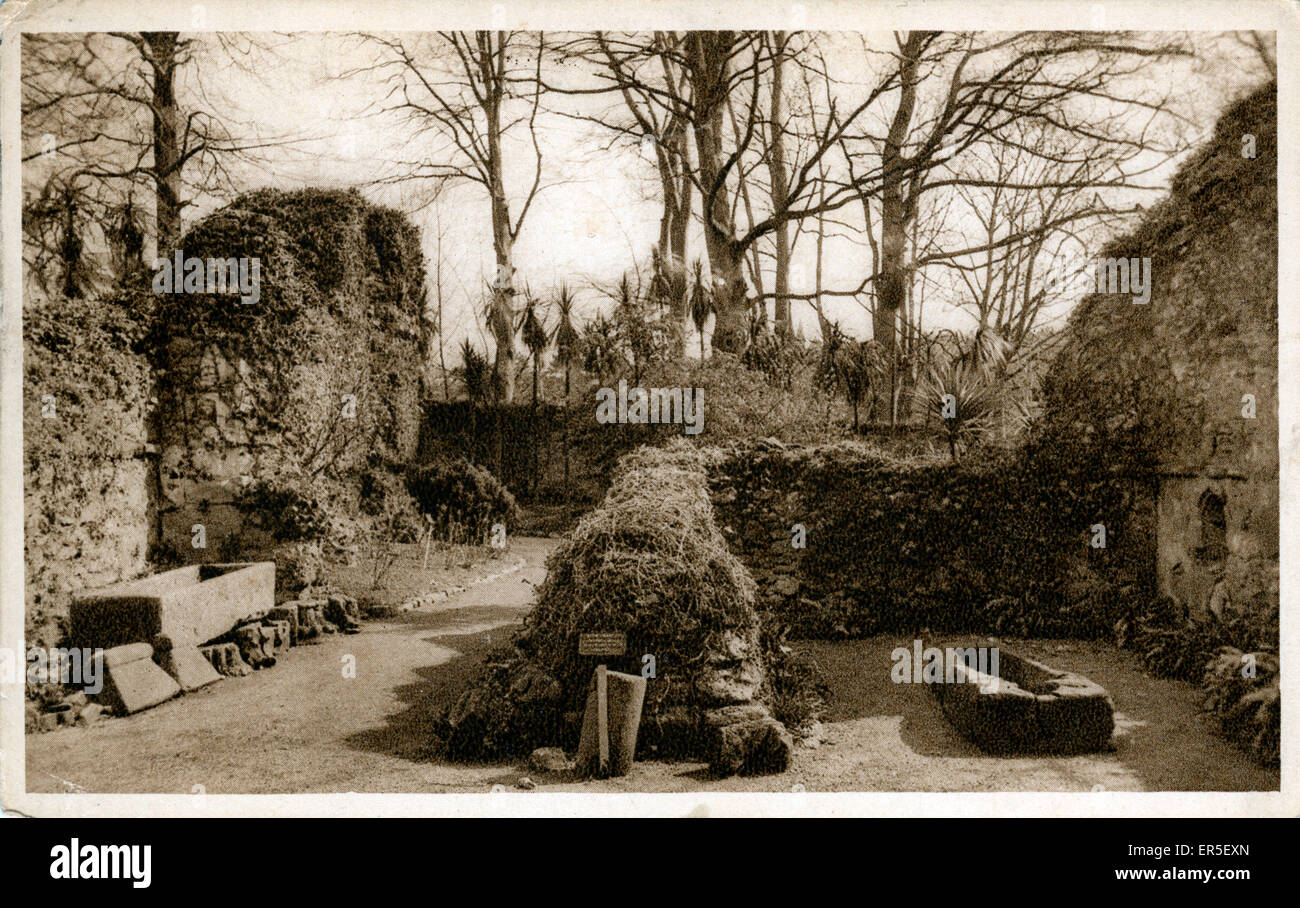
column 1213, row 548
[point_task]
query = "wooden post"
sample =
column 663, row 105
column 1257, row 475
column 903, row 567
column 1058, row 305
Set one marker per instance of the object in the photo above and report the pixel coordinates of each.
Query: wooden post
column 602, row 644
column 602, row 717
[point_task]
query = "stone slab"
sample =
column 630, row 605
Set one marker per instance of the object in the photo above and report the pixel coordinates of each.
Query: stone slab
column 191, row 605
column 187, row 665
column 132, row 684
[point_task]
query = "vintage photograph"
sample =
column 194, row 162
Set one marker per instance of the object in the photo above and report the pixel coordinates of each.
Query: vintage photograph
column 510, row 410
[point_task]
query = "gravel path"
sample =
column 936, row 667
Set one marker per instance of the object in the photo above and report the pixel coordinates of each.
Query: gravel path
column 302, row 726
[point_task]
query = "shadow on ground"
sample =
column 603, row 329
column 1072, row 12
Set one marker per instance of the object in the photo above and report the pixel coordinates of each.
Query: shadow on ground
column 468, row 634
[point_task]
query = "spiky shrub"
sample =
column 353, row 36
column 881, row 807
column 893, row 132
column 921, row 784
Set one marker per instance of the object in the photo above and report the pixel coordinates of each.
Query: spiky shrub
column 849, row 367
column 535, row 339
column 966, row 393
column 702, row 303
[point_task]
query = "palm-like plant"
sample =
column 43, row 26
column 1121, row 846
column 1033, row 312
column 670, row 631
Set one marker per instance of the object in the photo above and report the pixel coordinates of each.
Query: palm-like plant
column 701, row 303
column 568, row 348
column 535, row 339
column 567, row 339
column 967, row 392
column 475, row 373
column 850, row 367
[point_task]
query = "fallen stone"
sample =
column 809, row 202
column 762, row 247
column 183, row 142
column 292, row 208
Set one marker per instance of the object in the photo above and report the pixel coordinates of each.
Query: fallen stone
column 185, row 663
column 311, row 626
column 132, row 681
column 549, row 759
column 287, row 613
column 745, row 739
column 76, row 700
column 526, row 784
column 225, row 658
column 255, row 646
column 283, row 636
column 343, row 612
column 89, row 715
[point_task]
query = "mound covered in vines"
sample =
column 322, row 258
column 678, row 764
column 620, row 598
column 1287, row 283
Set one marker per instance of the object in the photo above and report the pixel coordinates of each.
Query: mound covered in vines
column 649, row 562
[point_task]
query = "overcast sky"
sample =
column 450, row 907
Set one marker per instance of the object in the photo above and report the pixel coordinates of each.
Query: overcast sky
column 600, row 211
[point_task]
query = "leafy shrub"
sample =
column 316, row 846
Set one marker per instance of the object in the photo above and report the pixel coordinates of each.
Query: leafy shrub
column 288, row 508
column 298, row 566
column 1243, row 692
column 386, row 500
column 799, row 692
column 459, row 496
column 1173, row 646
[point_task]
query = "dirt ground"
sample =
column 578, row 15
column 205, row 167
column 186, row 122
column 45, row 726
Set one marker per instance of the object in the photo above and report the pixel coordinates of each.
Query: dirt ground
column 302, row 726
column 414, row 573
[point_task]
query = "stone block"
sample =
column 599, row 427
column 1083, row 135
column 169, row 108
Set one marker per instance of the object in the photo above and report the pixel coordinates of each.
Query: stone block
column 625, row 695
column 343, row 611
column 1028, row 707
column 191, row 605
column 90, row 714
column 745, row 738
column 184, row 663
column 256, row 644
column 287, row 613
column 549, row 759
column 283, row 636
column 225, row 658
column 132, row 681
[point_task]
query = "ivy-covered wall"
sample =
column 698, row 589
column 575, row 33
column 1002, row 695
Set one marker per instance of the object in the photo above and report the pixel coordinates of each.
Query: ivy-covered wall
column 1187, row 383
column 85, row 474
column 845, row 541
column 316, row 378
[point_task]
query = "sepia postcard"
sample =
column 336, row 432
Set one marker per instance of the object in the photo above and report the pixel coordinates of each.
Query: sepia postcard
column 662, row 408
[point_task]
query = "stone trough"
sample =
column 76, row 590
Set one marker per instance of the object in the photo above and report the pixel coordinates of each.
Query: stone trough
column 191, row 605
column 1028, row 707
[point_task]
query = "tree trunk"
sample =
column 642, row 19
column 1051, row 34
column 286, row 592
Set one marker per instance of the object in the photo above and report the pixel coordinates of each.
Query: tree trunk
column 166, row 140
column 780, row 190
column 707, row 56
column 567, row 416
column 503, row 315
column 167, row 166
column 892, row 281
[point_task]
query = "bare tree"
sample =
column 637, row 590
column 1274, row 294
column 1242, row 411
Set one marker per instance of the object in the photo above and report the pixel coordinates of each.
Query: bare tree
column 103, row 114
column 469, row 92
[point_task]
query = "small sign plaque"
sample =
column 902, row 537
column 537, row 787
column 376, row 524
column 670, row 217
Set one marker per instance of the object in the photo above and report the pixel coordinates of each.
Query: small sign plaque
column 606, row 643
